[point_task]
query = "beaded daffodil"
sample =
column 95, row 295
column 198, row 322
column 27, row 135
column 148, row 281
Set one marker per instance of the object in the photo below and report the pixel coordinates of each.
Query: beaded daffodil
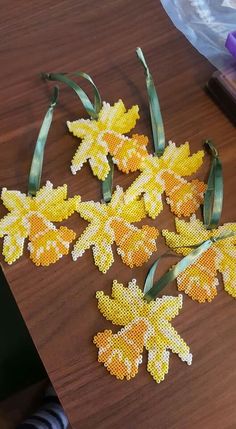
column 199, row 280
column 105, row 135
column 146, row 324
column 111, row 223
column 32, row 217
column 164, row 174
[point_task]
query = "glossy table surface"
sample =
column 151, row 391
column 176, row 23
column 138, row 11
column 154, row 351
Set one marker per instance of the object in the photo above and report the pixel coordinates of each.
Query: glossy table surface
column 58, row 303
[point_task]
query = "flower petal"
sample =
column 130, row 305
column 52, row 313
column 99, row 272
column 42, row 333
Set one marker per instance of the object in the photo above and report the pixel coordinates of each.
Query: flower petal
column 227, row 266
column 13, row 224
column 103, row 256
column 48, row 247
column 85, row 241
column 81, row 155
column 178, row 159
column 199, row 280
column 153, row 203
column 15, row 201
column 83, row 128
column 188, row 234
column 115, row 118
column 158, row 362
column 172, row 340
column 125, row 305
column 183, row 197
column 127, row 153
column 13, row 247
column 52, row 203
column 134, row 245
column 121, row 353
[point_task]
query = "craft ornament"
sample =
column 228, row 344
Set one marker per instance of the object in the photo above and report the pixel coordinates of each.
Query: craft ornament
column 199, row 280
column 113, row 223
column 106, row 136
column 146, row 325
column 32, row 217
column 165, row 174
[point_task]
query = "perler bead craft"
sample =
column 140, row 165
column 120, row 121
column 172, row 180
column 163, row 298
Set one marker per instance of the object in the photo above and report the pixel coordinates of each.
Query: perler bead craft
column 111, row 223
column 32, row 217
column 146, row 324
column 164, row 174
column 199, row 280
column 105, row 135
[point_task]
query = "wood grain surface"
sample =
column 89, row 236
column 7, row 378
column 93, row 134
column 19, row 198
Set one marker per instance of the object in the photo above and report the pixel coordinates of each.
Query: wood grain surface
column 58, row 303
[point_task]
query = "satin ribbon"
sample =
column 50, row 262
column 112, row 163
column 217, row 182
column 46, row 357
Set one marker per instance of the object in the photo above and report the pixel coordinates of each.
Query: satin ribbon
column 155, row 111
column 37, row 161
column 91, row 108
column 230, row 43
column 213, row 198
column 151, row 290
column 107, row 183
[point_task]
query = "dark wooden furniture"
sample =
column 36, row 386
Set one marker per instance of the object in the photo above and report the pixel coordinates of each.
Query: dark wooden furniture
column 58, row 303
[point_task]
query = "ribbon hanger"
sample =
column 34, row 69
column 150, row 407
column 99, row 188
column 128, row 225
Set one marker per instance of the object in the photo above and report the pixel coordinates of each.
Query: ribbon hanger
column 154, row 106
column 213, row 199
column 91, row 108
column 37, row 161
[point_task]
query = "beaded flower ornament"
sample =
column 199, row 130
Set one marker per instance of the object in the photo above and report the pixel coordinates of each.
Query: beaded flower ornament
column 199, row 280
column 165, row 174
column 105, row 136
column 32, row 217
column 146, row 325
column 111, row 223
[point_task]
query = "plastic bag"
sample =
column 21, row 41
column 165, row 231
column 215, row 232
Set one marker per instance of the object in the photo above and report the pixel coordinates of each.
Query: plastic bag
column 206, row 24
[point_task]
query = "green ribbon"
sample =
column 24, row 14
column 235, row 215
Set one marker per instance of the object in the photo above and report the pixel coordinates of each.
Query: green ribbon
column 151, row 290
column 213, row 198
column 91, row 108
column 37, row 161
column 155, row 111
column 107, row 183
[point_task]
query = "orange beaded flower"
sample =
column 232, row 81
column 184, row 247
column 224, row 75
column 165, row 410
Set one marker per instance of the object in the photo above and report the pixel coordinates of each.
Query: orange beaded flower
column 146, row 324
column 105, row 135
column 32, row 217
column 164, row 174
column 111, row 223
column 199, row 280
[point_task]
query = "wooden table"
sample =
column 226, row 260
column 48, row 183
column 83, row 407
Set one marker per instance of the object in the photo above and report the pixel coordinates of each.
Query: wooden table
column 58, row 303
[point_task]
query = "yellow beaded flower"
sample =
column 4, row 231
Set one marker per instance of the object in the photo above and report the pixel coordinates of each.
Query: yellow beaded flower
column 164, row 174
column 199, row 280
column 146, row 324
column 111, row 223
column 32, row 217
column 105, row 135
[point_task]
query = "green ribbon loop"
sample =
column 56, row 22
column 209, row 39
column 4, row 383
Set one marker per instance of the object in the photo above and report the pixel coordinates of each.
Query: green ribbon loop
column 213, row 199
column 37, row 161
column 151, row 290
column 91, row 108
column 107, row 183
column 154, row 106
column 149, row 281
